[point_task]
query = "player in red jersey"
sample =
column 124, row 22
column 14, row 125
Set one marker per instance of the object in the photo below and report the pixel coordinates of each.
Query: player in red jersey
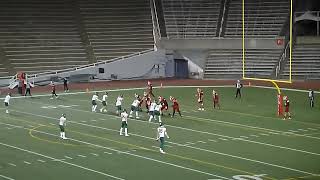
column 175, row 106
column 199, row 96
column 287, row 114
column 149, row 89
column 164, row 104
column 147, row 100
column 53, row 92
column 215, row 98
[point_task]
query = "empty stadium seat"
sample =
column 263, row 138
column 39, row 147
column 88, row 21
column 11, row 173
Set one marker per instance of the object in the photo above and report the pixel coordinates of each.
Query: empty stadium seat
column 227, row 63
column 117, row 28
column 263, row 18
column 191, row 18
column 40, row 36
column 305, row 62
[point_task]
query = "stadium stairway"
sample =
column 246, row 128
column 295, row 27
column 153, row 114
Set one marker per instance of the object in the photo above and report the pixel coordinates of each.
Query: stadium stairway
column 39, row 36
column 191, row 19
column 263, row 18
column 117, row 28
column 226, row 63
column 305, row 62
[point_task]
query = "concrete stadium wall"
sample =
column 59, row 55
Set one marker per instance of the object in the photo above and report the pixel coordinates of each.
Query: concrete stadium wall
column 149, row 65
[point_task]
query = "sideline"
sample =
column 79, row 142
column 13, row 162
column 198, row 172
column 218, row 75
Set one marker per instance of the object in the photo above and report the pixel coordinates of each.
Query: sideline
column 156, row 87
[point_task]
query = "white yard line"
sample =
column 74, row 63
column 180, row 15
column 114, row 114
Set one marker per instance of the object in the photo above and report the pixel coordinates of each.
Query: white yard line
column 11, row 164
column 68, row 157
column 177, row 127
column 273, row 133
column 6, row 177
column 64, row 162
column 81, row 156
column 94, row 154
column 40, row 160
column 107, row 152
column 111, row 149
column 129, row 89
column 215, row 152
column 155, row 87
column 26, row 162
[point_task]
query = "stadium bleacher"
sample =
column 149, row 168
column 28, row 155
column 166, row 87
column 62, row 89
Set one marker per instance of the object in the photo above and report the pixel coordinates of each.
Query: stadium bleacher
column 117, row 28
column 191, row 18
column 305, row 62
column 40, row 36
column 263, row 18
column 3, row 70
column 228, row 63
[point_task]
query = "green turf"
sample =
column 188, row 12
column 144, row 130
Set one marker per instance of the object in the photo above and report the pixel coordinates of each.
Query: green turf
column 244, row 138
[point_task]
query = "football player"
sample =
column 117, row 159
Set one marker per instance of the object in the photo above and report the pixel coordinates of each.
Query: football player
column 53, row 90
column 287, row 114
column 119, row 103
column 104, row 102
column 124, row 123
column 135, row 107
column 157, row 112
column 62, row 125
column 175, row 106
column 161, row 133
column 7, row 102
column 199, row 96
column 94, row 100
column 151, row 110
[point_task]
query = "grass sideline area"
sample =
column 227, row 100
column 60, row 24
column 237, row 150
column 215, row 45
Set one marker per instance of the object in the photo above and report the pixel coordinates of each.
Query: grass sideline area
column 243, row 140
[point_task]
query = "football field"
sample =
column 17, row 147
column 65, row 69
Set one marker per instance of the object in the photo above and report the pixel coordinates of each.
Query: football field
column 244, row 140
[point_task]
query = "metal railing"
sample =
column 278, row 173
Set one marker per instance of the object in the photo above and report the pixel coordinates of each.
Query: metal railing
column 282, row 59
column 155, row 21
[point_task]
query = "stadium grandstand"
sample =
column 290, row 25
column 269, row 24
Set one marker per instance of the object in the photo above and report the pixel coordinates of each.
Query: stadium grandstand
column 50, row 36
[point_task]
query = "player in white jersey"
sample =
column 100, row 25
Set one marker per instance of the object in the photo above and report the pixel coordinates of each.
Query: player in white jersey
column 7, row 102
column 161, row 133
column 104, row 102
column 151, row 110
column 62, row 125
column 157, row 112
column 119, row 103
column 135, row 108
column 94, row 100
column 124, row 123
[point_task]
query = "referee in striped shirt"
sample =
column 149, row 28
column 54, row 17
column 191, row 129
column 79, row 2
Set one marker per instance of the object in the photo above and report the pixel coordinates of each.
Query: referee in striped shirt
column 238, row 92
